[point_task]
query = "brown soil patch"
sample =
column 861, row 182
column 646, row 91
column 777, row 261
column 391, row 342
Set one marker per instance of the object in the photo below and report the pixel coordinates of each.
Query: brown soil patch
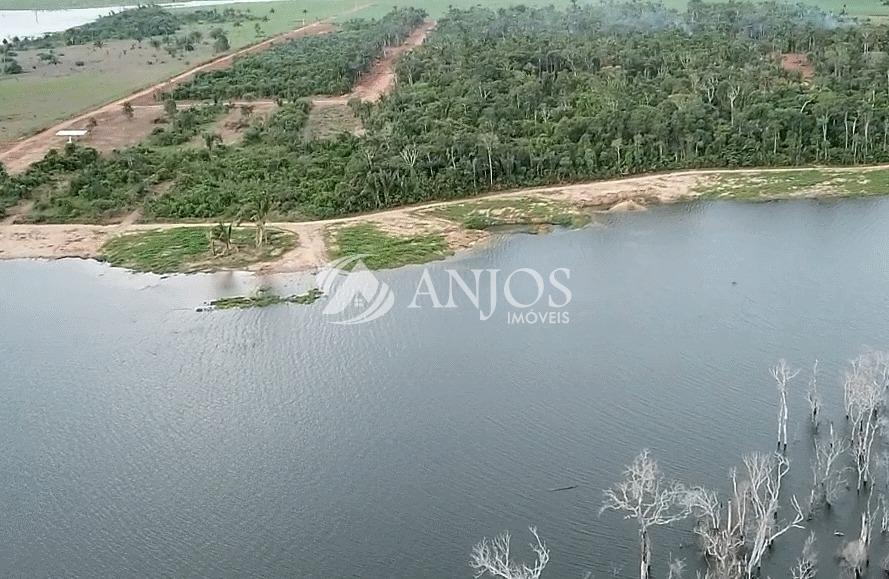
column 20, row 155
column 798, row 61
column 231, row 126
column 13, row 214
column 115, row 131
column 327, row 120
column 381, row 78
column 627, row 206
column 331, row 115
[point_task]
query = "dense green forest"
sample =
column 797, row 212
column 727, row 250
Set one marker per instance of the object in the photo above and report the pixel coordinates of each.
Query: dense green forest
column 518, row 97
column 328, row 64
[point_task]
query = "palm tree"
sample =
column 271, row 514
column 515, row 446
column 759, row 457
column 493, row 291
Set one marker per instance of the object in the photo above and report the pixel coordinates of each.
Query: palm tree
column 221, row 233
column 258, row 210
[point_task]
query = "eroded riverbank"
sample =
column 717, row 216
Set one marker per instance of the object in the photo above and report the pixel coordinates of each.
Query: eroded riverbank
column 464, row 223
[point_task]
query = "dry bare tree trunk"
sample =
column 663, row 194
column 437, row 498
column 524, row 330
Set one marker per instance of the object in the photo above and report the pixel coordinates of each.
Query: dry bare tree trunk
column 783, row 374
column 807, row 565
column 676, row 569
column 864, row 396
column 736, row 537
column 827, row 477
column 491, row 557
column 645, row 558
column 814, row 399
column 646, row 496
column 721, row 534
column 765, row 475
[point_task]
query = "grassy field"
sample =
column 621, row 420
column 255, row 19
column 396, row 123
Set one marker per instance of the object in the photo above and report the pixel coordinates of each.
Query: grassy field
column 327, row 122
column 47, row 92
column 187, row 250
column 767, row 186
column 493, row 212
column 86, row 76
column 383, row 250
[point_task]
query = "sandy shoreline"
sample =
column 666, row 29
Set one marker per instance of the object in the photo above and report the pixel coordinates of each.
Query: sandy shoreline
column 24, row 241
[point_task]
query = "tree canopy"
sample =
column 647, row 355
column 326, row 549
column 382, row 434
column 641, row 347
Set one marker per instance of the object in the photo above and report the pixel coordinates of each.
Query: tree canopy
column 522, row 96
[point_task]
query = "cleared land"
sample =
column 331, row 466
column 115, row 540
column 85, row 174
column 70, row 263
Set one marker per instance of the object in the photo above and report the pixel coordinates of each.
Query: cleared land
column 411, row 164
column 331, row 115
column 86, row 76
column 114, row 128
column 430, row 223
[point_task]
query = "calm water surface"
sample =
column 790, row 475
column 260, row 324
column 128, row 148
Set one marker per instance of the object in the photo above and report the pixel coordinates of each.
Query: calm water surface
column 31, row 23
column 144, row 439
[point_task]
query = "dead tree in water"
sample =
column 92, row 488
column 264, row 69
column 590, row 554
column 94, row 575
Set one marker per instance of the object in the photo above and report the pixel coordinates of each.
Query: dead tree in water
column 720, row 530
column 828, row 478
column 807, row 565
column 765, row 475
column 645, row 496
column 854, row 558
column 735, row 538
column 864, row 395
column 492, row 558
column 882, row 463
column 675, row 569
column 782, row 375
column 813, row 397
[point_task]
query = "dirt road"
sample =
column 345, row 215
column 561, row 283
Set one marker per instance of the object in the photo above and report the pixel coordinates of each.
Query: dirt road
column 381, row 78
column 59, row 241
column 114, row 130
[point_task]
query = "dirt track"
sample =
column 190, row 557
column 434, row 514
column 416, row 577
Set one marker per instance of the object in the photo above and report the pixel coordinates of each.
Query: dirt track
column 114, row 129
column 381, row 78
column 59, row 241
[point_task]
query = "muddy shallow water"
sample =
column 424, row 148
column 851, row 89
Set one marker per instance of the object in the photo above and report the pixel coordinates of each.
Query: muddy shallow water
column 143, row 439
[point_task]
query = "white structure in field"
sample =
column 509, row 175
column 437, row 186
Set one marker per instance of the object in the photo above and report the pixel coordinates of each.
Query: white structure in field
column 72, row 133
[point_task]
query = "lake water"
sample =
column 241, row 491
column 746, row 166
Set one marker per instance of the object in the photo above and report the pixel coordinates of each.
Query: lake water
column 144, row 439
column 31, row 23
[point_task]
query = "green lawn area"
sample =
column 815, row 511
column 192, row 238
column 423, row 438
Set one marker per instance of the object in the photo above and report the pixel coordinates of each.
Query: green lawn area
column 767, row 186
column 33, row 101
column 385, row 251
column 47, row 93
column 494, row 212
column 187, row 250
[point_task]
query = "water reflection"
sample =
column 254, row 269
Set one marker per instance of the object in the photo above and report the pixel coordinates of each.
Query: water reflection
column 142, row 438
